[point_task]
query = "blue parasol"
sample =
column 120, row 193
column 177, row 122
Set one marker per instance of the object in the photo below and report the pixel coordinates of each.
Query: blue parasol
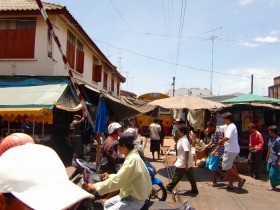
column 100, row 124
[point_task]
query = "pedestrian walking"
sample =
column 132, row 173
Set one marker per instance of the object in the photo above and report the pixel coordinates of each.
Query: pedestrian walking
column 216, row 151
column 232, row 149
column 155, row 129
column 161, row 136
column 184, row 163
column 255, row 151
column 273, row 157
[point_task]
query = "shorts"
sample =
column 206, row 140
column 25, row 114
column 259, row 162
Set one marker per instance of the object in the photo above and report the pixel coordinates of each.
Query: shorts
column 213, row 162
column 154, row 145
column 228, row 159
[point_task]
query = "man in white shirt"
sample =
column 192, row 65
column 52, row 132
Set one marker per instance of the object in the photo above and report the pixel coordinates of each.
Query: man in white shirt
column 232, row 149
column 132, row 179
column 155, row 129
column 184, row 163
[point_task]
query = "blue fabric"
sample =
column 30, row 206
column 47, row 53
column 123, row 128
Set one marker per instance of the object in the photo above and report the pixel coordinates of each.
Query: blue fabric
column 213, row 162
column 274, row 174
column 100, row 124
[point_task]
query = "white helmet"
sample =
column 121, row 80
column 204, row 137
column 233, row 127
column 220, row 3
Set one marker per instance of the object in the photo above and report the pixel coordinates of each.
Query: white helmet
column 113, row 126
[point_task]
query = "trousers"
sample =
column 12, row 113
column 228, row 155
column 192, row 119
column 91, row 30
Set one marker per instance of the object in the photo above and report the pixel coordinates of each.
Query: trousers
column 177, row 176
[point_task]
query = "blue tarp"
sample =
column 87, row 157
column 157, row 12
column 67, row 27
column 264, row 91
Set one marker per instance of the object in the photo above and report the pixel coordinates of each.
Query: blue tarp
column 100, row 125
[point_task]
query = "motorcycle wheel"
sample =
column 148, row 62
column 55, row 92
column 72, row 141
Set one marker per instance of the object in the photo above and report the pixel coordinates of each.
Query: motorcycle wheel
column 159, row 193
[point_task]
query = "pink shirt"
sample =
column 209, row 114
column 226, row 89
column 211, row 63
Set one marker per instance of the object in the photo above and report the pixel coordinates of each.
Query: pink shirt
column 256, row 140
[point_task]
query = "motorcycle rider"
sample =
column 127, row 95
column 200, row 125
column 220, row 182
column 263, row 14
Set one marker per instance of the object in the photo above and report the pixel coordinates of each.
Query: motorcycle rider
column 132, row 176
column 110, row 147
column 34, row 177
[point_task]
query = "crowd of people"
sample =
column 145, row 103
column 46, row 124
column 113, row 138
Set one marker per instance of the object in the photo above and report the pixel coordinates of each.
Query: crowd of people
column 26, row 181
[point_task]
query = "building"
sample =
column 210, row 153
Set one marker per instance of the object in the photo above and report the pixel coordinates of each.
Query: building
column 190, row 91
column 274, row 91
column 37, row 96
column 27, row 47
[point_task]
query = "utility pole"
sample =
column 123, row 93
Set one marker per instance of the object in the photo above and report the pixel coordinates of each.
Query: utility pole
column 213, row 37
column 173, row 84
column 252, row 84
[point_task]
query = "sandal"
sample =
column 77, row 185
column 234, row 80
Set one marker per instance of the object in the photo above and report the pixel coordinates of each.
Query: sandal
column 227, row 188
column 212, row 184
column 271, row 188
column 240, row 184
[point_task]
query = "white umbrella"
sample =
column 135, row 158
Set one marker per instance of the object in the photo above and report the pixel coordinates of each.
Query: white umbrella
column 187, row 102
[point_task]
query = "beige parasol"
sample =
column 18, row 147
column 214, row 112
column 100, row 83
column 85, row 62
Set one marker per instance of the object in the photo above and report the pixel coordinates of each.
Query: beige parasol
column 187, row 102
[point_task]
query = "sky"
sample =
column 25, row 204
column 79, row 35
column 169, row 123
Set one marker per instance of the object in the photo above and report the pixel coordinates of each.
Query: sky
column 217, row 44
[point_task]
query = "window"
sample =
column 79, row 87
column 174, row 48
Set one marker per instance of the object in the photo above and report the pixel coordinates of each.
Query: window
column 96, row 70
column 112, row 84
column 17, row 38
column 75, row 53
column 118, row 88
column 105, row 80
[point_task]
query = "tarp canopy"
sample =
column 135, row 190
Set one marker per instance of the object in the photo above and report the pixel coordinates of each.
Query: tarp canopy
column 25, row 99
column 187, row 102
column 43, row 115
column 42, row 96
column 124, row 108
column 251, row 98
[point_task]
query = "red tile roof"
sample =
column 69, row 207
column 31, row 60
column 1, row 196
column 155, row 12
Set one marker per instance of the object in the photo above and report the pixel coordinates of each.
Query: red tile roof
column 13, row 5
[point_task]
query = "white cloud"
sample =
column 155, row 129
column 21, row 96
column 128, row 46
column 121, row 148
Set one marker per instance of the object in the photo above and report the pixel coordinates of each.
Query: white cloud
column 262, row 79
column 267, row 39
column 245, row 2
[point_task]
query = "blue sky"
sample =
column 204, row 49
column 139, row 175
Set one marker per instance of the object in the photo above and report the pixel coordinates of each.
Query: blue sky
column 151, row 41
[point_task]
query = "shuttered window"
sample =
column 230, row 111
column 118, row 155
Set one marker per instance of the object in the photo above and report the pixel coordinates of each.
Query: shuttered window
column 118, row 88
column 17, row 38
column 75, row 53
column 112, row 84
column 70, row 49
column 96, row 70
column 105, row 80
column 80, row 57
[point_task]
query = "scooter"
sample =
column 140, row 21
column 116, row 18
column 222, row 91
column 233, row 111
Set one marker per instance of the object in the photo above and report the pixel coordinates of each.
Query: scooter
column 90, row 175
column 159, row 191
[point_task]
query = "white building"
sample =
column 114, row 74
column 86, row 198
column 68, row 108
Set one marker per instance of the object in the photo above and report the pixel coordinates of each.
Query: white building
column 190, row 91
column 27, row 47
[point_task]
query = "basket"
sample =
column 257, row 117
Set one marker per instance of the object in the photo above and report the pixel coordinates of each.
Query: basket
column 199, row 154
column 242, row 167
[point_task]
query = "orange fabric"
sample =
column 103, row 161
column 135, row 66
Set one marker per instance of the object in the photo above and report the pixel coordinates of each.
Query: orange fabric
column 14, row 205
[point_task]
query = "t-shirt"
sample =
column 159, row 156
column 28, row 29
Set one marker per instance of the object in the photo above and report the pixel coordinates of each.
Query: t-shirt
column 230, row 131
column 155, row 131
column 183, row 146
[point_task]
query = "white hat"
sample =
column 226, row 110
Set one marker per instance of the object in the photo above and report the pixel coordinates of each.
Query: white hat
column 36, row 176
column 113, row 126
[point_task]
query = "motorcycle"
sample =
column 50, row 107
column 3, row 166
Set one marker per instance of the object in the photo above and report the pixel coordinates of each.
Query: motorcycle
column 159, row 191
column 90, row 175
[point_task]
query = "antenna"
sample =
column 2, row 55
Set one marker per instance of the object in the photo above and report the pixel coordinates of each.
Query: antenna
column 213, row 37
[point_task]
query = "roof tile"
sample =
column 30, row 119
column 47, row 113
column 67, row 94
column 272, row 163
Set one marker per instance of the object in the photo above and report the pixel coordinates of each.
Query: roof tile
column 13, row 5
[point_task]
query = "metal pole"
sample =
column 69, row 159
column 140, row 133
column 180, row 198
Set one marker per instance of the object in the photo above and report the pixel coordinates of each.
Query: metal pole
column 46, row 18
column 252, row 84
column 173, row 86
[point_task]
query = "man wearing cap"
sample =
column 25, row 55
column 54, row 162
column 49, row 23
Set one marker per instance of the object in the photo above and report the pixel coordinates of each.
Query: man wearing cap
column 34, row 177
column 255, row 150
column 133, row 179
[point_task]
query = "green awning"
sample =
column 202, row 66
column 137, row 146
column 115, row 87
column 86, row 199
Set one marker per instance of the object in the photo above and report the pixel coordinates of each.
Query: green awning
column 40, row 96
column 251, row 98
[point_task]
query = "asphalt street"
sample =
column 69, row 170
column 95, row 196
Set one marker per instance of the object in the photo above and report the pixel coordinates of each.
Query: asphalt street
column 252, row 196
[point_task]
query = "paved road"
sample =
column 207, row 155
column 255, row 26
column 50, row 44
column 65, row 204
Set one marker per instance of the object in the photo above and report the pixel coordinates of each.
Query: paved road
column 253, row 196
